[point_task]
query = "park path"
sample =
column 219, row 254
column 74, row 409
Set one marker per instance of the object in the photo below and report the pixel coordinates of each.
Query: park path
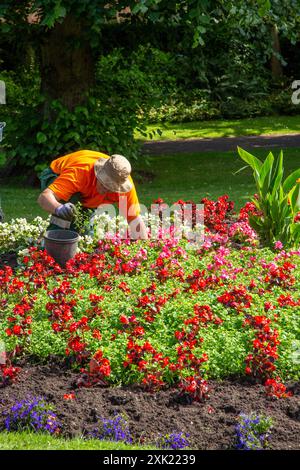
column 220, row 144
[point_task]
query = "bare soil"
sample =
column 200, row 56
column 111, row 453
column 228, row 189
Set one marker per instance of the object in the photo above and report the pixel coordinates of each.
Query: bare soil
column 210, row 425
column 8, row 259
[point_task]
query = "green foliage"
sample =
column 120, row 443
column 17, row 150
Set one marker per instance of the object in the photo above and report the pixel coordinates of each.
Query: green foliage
column 277, row 200
column 130, row 84
column 82, row 218
column 229, row 83
column 199, row 105
column 226, row 344
column 95, row 12
column 182, row 83
column 99, row 125
column 22, row 101
column 202, row 15
column 126, row 88
column 185, row 107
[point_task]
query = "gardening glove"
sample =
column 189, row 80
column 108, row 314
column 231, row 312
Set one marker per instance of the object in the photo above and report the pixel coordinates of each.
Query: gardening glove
column 65, row 211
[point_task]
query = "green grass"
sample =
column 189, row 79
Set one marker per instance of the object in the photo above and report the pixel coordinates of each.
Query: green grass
column 224, row 128
column 31, row 441
column 179, row 176
column 198, row 175
column 19, row 200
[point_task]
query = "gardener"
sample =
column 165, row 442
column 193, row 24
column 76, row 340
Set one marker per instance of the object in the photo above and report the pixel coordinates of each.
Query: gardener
column 95, row 179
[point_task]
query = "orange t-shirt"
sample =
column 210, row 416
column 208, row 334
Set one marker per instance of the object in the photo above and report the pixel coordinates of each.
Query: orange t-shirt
column 77, row 175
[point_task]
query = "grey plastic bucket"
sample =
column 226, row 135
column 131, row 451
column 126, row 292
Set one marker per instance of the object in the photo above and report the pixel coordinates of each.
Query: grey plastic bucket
column 61, row 245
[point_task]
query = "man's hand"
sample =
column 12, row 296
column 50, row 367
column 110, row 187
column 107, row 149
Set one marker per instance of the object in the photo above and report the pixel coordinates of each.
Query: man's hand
column 65, row 211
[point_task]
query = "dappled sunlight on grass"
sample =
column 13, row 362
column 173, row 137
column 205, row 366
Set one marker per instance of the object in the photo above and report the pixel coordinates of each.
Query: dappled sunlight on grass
column 220, row 128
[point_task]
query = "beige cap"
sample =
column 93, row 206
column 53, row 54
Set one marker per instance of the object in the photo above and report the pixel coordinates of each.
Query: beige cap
column 113, row 173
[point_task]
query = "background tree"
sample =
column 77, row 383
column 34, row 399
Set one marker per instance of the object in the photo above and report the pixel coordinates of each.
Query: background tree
column 67, row 35
column 58, row 43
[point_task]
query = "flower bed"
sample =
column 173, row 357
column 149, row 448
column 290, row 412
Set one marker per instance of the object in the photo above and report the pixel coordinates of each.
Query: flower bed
column 159, row 315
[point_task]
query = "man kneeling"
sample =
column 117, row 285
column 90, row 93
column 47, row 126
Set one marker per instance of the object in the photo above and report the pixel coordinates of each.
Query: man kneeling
column 95, row 179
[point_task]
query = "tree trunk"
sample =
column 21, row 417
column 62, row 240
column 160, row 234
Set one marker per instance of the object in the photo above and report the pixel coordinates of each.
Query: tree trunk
column 276, row 66
column 67, row 63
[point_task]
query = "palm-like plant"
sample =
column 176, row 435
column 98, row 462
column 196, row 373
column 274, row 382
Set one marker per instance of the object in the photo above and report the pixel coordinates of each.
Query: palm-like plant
column 277, row 200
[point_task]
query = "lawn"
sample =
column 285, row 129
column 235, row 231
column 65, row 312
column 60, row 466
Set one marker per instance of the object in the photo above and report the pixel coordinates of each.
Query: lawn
column 222, row 128
column 171, row 177
column 32, row 441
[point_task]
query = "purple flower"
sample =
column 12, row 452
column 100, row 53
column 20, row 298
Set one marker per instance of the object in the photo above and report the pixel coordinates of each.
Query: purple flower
column 32, row 414
column 252, row 431
column 175, row 440
column 115, row 429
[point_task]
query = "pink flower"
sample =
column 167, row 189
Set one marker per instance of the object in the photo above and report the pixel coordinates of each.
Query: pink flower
column 278, row 245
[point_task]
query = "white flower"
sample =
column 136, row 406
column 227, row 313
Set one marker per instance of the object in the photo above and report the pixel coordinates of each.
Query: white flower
column 18, row 233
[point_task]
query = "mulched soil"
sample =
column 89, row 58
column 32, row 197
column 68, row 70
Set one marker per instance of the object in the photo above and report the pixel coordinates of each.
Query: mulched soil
column 209, row 424
column 8, row 259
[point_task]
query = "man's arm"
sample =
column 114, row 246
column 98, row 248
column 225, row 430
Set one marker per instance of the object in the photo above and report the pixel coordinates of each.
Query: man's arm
column 130, row 208
column 48, row 201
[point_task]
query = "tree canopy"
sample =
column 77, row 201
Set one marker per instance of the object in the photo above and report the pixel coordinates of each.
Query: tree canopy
column 61, row 41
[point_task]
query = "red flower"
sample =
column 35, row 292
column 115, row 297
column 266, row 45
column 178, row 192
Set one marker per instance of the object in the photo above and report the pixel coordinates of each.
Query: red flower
column 9, row 373
column 69, row 396
column 76, row 345
column 124, row 287
column 124, row 320
column 56, row 327
column 17, row 330
column 268, row 306
column 97, row 334
column 276, row 389
column 138, row 331
column 94, row 298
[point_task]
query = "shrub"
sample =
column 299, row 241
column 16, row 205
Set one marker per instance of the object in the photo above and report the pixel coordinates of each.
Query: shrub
column 183, row 106
column 126, row 88
column 277, row 201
